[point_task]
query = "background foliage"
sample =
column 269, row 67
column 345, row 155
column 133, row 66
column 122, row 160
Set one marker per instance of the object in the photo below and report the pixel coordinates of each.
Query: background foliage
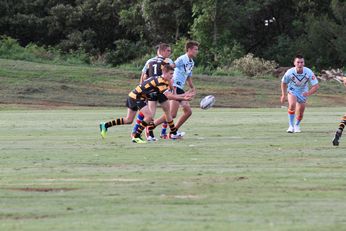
column 119, row 31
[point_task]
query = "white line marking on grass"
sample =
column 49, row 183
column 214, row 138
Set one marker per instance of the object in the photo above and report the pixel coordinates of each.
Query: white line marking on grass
column 89, row 180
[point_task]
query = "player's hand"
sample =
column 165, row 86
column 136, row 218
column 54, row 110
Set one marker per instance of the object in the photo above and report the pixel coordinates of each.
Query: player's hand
column 192, row 92
column 188, row 97
column 306, row 93
column 344, row 80
column 283, row 98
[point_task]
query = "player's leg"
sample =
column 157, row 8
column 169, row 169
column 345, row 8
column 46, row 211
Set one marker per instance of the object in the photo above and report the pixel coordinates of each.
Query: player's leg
column 338, row 132
column 131, row 113
column 174, row 107
column 300, row 108
column 292, row 101
column 163, row 134
column 147, row 119
column 152, row 102
column 187, row 112
column 139, row 119
column 149, row 131
column 167, row 110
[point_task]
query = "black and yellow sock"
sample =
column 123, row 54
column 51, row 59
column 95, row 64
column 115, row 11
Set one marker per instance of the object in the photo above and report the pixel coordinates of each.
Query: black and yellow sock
column 140, row 128
column 115, row 122
column 342, row 123
column 151, row 127
column 172, row 127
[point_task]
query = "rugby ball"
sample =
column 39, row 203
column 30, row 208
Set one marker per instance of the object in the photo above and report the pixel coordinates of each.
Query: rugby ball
column 207, row 102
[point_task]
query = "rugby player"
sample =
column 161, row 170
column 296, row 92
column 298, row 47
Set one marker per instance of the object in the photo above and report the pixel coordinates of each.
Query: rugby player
column 342, row 125
column 153, row 67
column 182, row 74
column 137, row 101
column 294, row 87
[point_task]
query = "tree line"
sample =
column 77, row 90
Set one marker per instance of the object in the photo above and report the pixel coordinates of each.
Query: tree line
column 227, row 30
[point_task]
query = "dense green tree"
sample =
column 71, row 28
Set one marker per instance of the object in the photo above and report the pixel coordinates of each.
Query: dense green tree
column 227, row 29
column 166, row 20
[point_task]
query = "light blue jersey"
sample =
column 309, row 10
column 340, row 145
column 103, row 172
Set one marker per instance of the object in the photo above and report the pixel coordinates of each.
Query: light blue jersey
column 182, row 71
column 298, row 83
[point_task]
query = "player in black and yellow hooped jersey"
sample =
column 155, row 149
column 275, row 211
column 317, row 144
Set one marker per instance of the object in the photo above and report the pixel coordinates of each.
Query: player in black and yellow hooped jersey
column 137, row 101
column 153, row 68
column 182, row 74
column 341, row 127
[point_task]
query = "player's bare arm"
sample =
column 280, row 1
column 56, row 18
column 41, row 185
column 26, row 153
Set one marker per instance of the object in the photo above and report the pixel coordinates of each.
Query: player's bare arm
column 312, row 90
column 283, row 92
column 172, row 96
column 192, row 89
column 143, row 77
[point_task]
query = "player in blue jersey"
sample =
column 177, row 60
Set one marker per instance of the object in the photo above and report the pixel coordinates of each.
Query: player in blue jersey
column 182, row 74
column 295, row 86
column 342, row 125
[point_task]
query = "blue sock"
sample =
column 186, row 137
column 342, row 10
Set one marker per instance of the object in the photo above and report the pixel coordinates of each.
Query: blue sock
column 140, row 118
column 164, row 128
column 298, row 122
column 291, row 116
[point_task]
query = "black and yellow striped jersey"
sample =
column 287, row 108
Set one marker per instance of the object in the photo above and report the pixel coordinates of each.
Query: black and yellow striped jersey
column 151, row 85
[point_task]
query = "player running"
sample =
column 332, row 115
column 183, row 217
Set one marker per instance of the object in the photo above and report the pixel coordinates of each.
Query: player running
column 342, row 125
column 295, row 84
column 182, row 74
column 137, row 101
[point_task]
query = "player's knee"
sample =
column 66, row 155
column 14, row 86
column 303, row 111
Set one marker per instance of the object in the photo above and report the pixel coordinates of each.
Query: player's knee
column 291, row 108
column 148, row 118
column 128, row 120
column 188, row 111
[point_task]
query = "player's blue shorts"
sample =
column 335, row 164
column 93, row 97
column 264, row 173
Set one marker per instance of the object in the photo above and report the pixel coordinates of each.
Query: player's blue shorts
column 300, row 97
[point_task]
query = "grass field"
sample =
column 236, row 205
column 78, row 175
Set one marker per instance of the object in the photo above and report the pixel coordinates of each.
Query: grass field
column 236, row 169
column 47, row 84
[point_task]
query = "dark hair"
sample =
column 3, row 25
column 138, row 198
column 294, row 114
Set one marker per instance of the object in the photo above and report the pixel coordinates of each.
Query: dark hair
column 298, row 57
column 167, row 68
column 190, row 44
column 162, row 46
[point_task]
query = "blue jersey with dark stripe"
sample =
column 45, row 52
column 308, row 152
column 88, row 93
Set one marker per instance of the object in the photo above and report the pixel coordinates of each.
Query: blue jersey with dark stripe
column 298, row 83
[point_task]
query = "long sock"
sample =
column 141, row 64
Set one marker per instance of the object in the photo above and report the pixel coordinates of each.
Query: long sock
column 139, row 119
column 342, row 124
column 298, row 120
column 291, row 117
column 140, row 128
column 164, row 128
column 172, row 127
column 115, row 122
column 151, row 127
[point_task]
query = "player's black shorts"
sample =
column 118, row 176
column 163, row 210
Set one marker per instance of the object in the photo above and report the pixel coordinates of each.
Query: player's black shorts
column 161, row 98
column 135, row 104
column 179, row 91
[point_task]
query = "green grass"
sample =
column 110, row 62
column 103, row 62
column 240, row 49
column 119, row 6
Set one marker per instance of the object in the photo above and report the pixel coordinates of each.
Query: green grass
column 236, row 169
column 25, row 82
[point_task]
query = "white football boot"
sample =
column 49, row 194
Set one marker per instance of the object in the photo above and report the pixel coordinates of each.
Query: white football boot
column 297, row 129
column 181, row 134
column 151, row 139
column 290, row 129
